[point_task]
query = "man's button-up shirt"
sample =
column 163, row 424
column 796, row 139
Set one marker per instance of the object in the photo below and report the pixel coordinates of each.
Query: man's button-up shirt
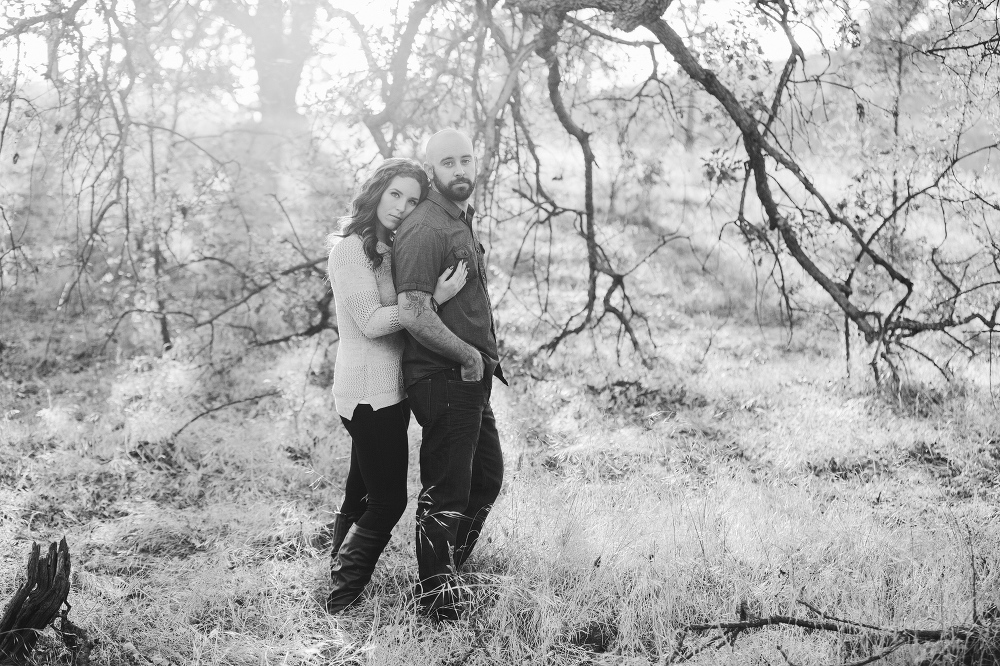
column 435, row 236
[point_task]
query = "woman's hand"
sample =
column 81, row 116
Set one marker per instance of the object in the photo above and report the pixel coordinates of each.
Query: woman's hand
column 451, row 282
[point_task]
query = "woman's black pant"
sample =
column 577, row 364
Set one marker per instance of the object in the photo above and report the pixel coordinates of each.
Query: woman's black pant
column 375, row 493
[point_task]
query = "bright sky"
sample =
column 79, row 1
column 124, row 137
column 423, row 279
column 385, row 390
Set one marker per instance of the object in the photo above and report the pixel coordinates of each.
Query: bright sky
column 770, row 37
column 773, row 43
column 338, row 51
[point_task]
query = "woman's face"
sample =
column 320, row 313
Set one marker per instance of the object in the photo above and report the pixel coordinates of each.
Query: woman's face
column 399, row 199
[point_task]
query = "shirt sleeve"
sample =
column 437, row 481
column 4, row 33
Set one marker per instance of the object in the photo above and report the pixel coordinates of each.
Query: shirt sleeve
column 353, row 278
column 418, row 255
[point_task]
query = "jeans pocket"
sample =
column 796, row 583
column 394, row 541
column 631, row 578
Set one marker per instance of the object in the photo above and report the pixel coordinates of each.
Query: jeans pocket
column 465, row 394
column 420, row 396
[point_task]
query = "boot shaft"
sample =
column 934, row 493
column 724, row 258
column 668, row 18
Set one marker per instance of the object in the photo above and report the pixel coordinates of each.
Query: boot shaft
column 353, row 565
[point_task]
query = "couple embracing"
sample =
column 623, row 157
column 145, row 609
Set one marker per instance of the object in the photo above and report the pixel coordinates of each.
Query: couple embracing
column 416, row 334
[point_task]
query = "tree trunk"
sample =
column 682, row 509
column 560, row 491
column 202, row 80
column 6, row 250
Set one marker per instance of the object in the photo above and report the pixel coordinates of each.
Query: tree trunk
column 35, row 604
column 280, row 39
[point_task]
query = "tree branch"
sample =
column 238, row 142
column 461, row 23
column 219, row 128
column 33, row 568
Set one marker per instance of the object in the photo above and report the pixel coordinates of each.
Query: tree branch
column 64, row 15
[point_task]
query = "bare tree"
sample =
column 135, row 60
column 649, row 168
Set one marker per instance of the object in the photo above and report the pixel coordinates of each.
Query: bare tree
column 907, row 301
column 280, row 36
column 164, row 221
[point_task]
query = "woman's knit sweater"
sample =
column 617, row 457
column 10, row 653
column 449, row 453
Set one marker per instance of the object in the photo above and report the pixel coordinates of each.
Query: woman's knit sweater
column 368, row 368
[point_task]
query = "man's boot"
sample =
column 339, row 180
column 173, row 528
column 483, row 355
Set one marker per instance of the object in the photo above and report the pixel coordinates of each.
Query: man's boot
column 352, row 567
column 439, row 598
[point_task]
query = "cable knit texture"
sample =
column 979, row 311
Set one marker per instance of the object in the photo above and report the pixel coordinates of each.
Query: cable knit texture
column 368, row 368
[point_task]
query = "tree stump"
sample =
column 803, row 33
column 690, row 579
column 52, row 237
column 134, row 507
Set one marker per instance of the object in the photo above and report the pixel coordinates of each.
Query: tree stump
column 35, row 604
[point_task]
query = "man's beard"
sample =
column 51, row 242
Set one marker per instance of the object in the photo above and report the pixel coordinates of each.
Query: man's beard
column 449, row 192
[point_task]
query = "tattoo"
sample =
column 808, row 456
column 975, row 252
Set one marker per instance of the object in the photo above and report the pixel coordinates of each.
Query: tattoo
column 416, row 301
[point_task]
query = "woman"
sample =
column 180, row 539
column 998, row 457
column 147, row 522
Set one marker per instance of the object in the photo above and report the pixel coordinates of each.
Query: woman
column 368, row 378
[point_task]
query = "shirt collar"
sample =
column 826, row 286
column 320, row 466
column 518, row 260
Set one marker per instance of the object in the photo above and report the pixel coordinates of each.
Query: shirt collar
column 450, row 206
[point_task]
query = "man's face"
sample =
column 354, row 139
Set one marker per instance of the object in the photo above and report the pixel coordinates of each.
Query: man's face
column 453, row 168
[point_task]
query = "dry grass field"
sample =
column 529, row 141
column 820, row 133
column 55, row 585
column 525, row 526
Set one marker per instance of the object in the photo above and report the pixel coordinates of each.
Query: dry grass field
column 747, row 474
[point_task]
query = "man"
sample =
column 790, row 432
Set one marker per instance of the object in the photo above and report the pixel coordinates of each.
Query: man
column 449, row 360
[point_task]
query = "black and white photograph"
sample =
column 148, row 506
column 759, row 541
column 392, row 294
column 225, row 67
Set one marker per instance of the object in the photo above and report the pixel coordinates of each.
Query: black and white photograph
column 499, row 332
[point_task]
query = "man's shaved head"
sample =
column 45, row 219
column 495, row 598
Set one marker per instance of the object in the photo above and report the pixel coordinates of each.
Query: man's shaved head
column 451, row 165
column 445, row 142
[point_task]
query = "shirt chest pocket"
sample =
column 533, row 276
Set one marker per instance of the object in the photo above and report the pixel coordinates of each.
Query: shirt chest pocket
column 467, row 254
column 473, row 256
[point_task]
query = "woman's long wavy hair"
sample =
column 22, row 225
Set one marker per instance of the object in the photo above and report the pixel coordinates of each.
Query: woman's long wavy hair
column 362, row 219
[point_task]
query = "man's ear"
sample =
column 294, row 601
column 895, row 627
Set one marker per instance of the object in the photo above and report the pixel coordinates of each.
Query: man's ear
column 429, row 170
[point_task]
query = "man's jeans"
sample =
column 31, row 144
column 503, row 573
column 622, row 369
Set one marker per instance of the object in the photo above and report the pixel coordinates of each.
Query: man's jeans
column 461, row 471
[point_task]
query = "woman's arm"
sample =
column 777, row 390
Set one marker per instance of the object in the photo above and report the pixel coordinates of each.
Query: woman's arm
column 355, row 284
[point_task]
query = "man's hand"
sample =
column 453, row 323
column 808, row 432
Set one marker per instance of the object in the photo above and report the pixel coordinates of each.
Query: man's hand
column 473, row 369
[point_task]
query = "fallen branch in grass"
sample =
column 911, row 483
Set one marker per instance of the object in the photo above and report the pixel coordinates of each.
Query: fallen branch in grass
column 75, row 638
column 977, row 643
column 841, row 627
column 35, row 605
column 223, row 406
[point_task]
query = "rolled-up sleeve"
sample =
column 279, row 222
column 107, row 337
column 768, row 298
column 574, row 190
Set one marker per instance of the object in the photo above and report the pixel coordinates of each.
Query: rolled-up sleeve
column 418, row 255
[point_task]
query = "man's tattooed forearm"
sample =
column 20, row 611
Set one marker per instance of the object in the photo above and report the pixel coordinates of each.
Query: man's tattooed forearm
column 416, row 301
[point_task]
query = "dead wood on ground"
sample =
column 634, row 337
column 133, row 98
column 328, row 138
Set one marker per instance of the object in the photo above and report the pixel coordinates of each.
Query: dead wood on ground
column 35, row 606
column 976, row 644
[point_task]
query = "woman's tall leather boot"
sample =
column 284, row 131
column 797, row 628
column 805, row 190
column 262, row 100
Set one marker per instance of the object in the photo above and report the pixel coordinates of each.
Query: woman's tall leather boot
column 332, row 534
column 353, row 565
